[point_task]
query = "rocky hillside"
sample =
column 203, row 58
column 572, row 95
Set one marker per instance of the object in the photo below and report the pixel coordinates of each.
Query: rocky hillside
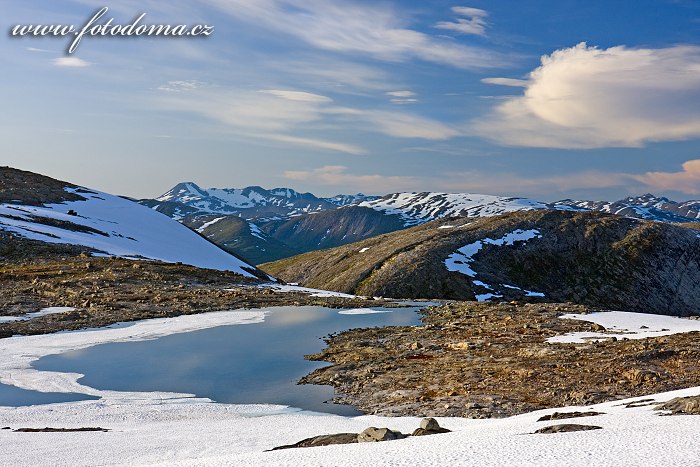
column 241, row 237
column 556, row 256
column 50, row 211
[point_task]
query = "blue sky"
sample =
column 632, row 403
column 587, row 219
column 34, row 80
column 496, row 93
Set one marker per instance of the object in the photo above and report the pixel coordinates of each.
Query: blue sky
column 545, row 99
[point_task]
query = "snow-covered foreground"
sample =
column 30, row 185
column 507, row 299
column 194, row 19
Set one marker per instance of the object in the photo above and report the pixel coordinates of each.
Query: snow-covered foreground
column 201, row 433
column 173, row 429
column 118, row 227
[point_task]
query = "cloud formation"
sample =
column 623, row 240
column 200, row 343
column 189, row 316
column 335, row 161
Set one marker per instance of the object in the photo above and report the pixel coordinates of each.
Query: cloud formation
column 374, row 30
column 686, row 181
column 471, row 21
column 585, row 97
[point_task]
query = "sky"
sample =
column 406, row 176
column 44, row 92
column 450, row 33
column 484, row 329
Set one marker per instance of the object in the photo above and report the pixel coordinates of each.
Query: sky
column 541, row 99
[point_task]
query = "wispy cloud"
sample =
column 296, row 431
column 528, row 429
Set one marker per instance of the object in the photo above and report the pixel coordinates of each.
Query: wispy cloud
column 518, row 83
column 182, row 85
column 685, row 181
column 471, row 21
column 374, row 30
column 503, row 183
column 585, row 97
column 405, row 125
column 279, row 115
column 300, row 96
column 319, row 144
column 72, row 62
column 338, row 176
column 402, row 97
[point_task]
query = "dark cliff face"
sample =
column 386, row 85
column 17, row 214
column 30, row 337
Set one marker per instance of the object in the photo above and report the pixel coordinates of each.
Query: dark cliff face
column 583, row 257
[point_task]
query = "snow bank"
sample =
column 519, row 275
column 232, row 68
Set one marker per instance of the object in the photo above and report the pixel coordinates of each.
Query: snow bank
column 118, row 227
column 313, row 292
column 623, row 324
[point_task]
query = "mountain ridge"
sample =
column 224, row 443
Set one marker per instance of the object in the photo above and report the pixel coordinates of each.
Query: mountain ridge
column 292, row 222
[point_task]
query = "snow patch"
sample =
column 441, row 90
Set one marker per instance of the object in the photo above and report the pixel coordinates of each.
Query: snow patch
column 43, row 312
column 312, row 292
column 462, row 259
column 209, row 224
column 362, row 311
column 623, row 324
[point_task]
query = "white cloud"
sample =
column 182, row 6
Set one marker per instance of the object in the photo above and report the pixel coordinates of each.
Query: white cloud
column 297, row 95
column 518, row 83
column 375, row 30
column 402, row 97
column 73, row 62
column 472, row 21
column 685, row 181
column 584, row 97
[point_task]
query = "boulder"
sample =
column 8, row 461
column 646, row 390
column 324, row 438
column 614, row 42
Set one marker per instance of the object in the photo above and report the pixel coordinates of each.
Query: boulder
column 429, row 426
column 373, row 435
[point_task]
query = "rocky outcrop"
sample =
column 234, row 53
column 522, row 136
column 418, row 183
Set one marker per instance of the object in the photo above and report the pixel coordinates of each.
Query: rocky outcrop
column 682, row 406
column 480, row 360
column 428, row 426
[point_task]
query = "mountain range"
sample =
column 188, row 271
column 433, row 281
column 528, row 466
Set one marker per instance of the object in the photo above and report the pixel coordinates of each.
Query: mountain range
column 264, row 225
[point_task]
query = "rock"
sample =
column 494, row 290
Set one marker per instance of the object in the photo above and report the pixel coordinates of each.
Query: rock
column 429, row 426
column 373, row 435
column 322, row 440
column 682, row 406
column 565, row 415
column 567, row 427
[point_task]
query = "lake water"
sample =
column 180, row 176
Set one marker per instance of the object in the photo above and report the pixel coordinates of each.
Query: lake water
column 251, row 363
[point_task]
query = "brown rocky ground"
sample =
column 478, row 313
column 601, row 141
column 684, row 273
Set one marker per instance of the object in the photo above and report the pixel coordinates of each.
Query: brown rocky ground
column 34, row 275
column 492, row 360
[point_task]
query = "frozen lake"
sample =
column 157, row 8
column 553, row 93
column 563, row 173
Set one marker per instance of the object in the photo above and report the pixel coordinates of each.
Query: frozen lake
column 255, row 363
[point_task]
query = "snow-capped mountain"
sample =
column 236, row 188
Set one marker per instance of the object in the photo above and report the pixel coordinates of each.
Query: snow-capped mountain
column 108, row 224
column 287, row 221
column 345, row 200
column 418, row 208
column 252, row 202
column 645, row 207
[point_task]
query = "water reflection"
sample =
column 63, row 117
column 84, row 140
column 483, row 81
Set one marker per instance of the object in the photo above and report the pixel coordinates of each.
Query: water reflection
column 256, row 363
